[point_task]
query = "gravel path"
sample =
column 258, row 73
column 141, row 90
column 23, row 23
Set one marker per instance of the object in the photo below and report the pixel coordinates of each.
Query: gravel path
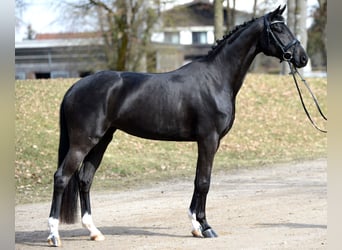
column 283, row 206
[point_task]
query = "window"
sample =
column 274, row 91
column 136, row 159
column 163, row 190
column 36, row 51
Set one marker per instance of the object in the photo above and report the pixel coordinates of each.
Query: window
column 171, row 37
column 199, row 37
column 59, row 74
column 20, row 75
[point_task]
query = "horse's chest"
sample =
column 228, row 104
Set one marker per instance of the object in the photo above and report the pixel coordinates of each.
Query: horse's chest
column 225, row 118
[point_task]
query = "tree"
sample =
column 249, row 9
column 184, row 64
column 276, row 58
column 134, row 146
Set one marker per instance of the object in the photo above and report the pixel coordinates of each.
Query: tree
column 255, row 7
column 218, row 19
column 301, row 16
column 20, row 6
column 296, row 21
column 317, row 35
column 230, row 15
column 125, row 27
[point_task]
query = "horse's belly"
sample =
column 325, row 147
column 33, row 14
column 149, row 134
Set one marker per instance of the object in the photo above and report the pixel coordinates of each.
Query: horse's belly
column 158, row 135
column 157, row 128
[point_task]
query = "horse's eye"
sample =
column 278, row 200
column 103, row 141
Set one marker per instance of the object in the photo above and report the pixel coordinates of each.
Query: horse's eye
column 277, row 28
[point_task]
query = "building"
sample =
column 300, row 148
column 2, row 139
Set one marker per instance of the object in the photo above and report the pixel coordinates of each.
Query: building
column 184, row 33
column 189, row 30
column 58, row 56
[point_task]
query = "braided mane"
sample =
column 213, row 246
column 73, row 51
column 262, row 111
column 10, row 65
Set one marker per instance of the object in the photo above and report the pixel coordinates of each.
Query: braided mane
column 216, row 47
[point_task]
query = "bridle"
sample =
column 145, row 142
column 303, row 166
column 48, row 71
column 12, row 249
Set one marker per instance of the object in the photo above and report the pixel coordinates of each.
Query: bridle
column 287, row 56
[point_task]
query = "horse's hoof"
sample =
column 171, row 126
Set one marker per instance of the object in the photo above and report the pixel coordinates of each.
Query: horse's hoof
column 209, row 233
column 99, row 237
column 197, row 233
column 54, row 241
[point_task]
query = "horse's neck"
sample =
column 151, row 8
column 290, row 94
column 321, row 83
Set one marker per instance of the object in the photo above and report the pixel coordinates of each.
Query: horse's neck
column 236, row 57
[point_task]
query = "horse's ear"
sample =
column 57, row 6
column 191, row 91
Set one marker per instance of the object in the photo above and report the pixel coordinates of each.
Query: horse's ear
column 278, row 11
column 281, row 11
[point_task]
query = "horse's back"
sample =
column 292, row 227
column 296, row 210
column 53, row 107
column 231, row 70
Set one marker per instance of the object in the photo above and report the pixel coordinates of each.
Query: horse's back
column 98, row 82
column 141, row 104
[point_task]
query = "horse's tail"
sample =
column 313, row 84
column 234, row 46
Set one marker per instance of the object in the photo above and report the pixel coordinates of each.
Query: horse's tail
column 68, row 213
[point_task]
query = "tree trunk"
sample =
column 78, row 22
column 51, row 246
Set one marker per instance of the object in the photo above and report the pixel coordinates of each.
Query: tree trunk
column 228, row 23
column 323, row 8
column 301, row 17
column 256, row 62
column 301, row 32
column 255, row 7
column 218, row 19
column 291, row 23
column 233, row 20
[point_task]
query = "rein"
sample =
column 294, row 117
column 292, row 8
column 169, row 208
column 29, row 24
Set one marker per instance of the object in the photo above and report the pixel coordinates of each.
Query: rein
column 293, row 72
column 287, row 56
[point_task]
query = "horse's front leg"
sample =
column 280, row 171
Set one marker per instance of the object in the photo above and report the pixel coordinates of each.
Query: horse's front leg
column 206, row 152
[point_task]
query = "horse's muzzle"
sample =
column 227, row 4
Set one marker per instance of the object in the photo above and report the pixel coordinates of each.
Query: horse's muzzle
column 300, row 58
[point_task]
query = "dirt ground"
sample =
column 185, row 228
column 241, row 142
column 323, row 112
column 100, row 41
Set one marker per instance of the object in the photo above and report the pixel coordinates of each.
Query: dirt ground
column 283, row 206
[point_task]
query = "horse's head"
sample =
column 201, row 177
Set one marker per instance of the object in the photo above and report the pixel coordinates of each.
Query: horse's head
column 279, row 41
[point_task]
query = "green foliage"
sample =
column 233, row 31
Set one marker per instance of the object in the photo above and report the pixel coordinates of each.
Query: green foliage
column 270, row 126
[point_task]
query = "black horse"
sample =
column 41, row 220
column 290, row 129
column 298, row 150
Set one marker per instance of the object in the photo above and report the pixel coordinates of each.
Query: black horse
column 193, row 103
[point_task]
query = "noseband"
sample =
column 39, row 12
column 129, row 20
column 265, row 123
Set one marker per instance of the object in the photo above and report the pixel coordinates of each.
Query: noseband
column 287, row 55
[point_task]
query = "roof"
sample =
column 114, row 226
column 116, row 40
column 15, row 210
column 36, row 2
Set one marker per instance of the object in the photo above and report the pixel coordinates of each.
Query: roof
column 67, row 35
column 196, row 13
column 191, row 14
column 46, row 40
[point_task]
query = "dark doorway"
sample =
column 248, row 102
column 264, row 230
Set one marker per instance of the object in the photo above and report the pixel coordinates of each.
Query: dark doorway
column 85, row 73
column 43, row 75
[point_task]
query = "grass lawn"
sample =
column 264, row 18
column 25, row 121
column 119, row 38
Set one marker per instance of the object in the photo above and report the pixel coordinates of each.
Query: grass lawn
column 270, row 126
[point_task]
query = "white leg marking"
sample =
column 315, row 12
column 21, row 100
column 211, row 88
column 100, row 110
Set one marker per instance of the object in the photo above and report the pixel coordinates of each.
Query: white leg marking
column 196, row 226
column 53, row 239
column 88, row 223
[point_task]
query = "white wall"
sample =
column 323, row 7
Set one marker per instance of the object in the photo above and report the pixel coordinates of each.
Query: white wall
column 185, row 37
column 185, row 34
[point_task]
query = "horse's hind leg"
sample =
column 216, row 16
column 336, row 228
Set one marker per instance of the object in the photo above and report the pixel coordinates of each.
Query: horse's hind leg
column 86, row 175
column 62, row 176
